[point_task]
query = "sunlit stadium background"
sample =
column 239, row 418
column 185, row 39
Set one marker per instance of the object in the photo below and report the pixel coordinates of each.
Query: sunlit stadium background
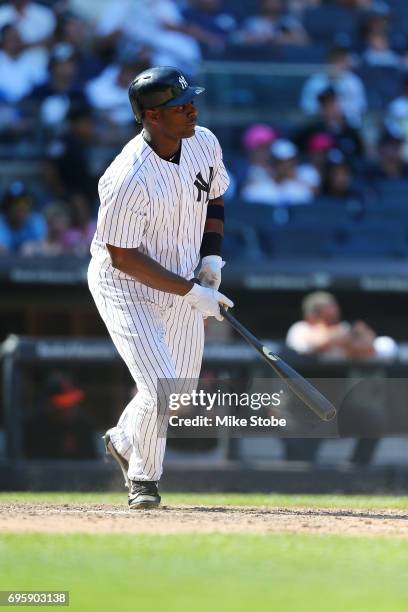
column 309, row 99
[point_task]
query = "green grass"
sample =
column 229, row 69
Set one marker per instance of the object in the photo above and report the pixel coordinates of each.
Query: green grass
column 226, row 499
column 210, row 573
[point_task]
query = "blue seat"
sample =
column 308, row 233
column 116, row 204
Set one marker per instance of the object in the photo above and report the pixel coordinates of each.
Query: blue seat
column 395, row 212
column 314, row 53
column 399, row 16
column 330, row 24
column 322, row 211
column 393, row 190
column 382, row 83
column 251, row 53
column 298, row 241
column 369, row 240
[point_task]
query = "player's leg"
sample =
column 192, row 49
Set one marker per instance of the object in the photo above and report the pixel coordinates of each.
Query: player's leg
column 138, row 331
column 185, row 338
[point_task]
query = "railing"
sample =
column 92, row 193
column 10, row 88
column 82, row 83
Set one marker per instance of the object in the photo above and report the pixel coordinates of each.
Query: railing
column 380, row 397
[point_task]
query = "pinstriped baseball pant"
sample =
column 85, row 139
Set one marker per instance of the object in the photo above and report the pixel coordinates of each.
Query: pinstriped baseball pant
column 155, row 344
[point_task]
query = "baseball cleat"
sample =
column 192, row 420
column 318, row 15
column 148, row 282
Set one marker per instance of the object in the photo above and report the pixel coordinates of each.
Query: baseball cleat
column 121, row 461
column 143, row 494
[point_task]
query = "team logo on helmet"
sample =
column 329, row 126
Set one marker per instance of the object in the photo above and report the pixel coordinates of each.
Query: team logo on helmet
column 183, row 82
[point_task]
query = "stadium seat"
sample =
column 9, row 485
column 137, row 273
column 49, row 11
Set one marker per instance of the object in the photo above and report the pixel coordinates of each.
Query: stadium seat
column 315, row 53
column 251, row 53
column 369, row 240
column 322, row 211
column 330, row 24
column 399, row 16
column 393, row 191
column 382, row 83
column 297, row 240
column 260, row 216
column 397, row 211
column 241, row 241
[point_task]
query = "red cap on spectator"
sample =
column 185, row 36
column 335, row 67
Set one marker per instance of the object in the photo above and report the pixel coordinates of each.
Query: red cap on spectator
column 258, row 135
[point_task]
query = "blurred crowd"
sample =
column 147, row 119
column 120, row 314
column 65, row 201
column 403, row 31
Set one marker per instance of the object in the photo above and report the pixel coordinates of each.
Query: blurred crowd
column 66, row 66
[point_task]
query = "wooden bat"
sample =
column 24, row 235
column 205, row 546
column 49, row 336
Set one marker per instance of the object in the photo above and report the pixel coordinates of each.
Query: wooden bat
column 299, row 385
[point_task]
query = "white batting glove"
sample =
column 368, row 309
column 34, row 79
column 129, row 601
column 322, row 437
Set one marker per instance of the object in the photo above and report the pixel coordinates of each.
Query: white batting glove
column 207, row 301
column 210, row 271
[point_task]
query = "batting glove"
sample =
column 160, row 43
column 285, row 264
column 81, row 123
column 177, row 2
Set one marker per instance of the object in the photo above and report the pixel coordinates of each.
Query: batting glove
column 207, row 301
column 210, row 271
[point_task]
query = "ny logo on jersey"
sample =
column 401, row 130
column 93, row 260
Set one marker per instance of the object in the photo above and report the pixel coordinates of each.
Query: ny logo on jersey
column 203, row 187
column 183, row 82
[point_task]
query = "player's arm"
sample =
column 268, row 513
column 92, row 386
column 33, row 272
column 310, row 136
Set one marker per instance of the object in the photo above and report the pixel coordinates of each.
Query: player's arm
column 211, row 262
column 147, row 271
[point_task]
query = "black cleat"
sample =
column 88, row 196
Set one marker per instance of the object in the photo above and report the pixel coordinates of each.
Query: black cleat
column 143, row 494
column 121, row 461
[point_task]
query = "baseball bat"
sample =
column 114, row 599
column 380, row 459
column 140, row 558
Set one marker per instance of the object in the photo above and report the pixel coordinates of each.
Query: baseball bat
column 299, row 385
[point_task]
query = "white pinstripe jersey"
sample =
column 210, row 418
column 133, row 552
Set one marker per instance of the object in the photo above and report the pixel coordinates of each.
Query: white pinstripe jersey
column 158, row 206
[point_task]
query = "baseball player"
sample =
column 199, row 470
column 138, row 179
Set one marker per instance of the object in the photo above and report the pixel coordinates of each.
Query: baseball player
column 161, row 209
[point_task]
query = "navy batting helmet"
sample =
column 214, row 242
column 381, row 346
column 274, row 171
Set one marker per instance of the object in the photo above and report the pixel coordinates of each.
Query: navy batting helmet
column 160, row 86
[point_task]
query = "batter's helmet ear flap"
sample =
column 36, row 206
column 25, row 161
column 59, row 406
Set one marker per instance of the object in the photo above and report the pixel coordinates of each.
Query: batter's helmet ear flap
column 137, row 110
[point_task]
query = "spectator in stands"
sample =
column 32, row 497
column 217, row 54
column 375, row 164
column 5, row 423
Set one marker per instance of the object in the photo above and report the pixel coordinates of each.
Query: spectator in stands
column 298, row 7
column 57, row 219
column 347, row 85
column 323, row 332
column 67, row 164
column 78, row 236
column 256, row 142
column 331, row 120
column 18, row 222
column 108, row 93
column 398, row 108
column 338, row 176
column 20, row 69
column 312, row 170
column 375, row 19
column 157, row 24
column 282, row 185
column 340, row 186
column 359, row 4
column 59, row 428
column 210, row 22
column 398, row 114
column 255, row 165
column 378, row 51
column 35, row 22
column 54, row 98
column 272, row 25
column 76, row 32
column 390, row 163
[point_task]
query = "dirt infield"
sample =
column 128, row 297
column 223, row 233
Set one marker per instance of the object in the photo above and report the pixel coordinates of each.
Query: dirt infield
column 93, row 518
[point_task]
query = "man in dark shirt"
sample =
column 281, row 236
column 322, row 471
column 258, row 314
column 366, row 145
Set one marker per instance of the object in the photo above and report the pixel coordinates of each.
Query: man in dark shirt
column 66, row 167
column 51, row 101
column 390, row 164
column 332, row 121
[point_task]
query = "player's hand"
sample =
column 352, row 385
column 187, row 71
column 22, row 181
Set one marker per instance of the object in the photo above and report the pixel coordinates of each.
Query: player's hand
column 210, row 271
column 207, row 301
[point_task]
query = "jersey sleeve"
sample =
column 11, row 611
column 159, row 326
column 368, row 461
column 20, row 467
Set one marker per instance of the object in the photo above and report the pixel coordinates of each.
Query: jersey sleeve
column 221, row 179
column 122, row 216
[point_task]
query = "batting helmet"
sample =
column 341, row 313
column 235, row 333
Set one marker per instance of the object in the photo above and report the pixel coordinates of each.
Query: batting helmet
column 160, row 86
